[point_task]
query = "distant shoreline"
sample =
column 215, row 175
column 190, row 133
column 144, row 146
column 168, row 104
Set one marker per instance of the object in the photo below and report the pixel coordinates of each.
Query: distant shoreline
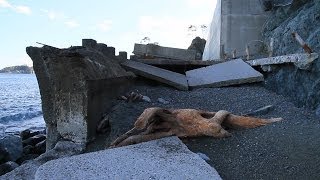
column 18, row 70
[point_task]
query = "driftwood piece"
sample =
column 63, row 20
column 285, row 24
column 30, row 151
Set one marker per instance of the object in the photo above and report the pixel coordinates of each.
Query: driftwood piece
column 155, row 123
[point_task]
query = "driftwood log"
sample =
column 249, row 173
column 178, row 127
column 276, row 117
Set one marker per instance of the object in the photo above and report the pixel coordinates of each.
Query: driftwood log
column 155, row 123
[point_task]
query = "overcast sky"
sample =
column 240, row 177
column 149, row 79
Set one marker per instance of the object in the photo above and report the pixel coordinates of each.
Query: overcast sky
column 118, row 23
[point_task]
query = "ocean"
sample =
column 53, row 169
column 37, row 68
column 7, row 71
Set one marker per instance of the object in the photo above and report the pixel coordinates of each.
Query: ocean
column 20, row 103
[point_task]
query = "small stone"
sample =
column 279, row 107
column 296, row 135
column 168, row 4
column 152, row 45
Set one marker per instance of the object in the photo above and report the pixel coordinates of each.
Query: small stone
column 7, row 167
column 146, row 99
column 203, row 156
column 162, row 101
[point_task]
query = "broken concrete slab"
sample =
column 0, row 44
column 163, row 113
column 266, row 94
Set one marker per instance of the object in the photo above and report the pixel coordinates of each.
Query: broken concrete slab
column 164, row 52
column 302, row 61
column 176, row 62
column 223, row 74
column 176, row 80
column 166, row 158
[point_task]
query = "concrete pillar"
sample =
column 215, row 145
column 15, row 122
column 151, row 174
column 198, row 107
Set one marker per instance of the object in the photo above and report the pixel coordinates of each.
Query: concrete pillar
column 123, row 55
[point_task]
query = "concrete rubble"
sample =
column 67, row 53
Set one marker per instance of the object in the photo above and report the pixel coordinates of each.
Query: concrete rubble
column 166, row 158
column 224, row 74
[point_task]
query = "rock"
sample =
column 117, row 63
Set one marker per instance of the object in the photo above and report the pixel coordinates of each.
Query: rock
column 12, row 145
column 302, row 16
column 25, row 134
column 27, row 157
column 146, row 99
column 28, row 149
column 104, row 125
column 40, row 148
column 28, row 170
column 261, row 111
column 198, row 44
column 34, row 140
column 203, row 156
column 75, row 86
column 162, row 101
column 7, row 167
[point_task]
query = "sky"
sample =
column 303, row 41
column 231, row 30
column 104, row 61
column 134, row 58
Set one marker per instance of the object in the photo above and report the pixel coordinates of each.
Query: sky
column 117, row 23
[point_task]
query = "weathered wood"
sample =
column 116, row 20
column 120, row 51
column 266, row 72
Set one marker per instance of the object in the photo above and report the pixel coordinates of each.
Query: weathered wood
column 155, row 123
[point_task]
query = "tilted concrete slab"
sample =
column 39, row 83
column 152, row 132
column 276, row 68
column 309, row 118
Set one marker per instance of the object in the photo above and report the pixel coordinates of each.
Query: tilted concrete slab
column 223, row 74
column 302, row 61
column 164, row 52
column 176, row 80
column 166, row 158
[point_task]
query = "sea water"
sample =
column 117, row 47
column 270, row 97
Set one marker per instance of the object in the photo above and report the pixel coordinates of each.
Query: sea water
column 20, row 103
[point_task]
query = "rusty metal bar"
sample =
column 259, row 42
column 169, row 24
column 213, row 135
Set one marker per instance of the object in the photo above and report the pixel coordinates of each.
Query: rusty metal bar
column 303, row 44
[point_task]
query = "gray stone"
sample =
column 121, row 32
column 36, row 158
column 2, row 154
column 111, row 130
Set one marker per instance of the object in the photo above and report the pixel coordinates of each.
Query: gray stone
column 302, row 61
column 176, row 80
column 34, row 140
column 7, row 167
column 223, row 74
column 163, row 101
column 203, row 156
column 28, row 170
column 164, row 52
column 146, row 99
column 166, row 158
column 12, row 145
column 77, row 86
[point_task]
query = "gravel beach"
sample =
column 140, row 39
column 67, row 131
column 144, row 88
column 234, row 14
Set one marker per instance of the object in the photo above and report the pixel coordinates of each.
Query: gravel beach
column 284, row 150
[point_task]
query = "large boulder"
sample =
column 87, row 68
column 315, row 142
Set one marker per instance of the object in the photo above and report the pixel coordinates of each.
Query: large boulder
column 77, row 86
column 11, row 148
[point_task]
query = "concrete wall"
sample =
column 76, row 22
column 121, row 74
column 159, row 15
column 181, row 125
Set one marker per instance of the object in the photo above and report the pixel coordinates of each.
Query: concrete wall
column 241, row 24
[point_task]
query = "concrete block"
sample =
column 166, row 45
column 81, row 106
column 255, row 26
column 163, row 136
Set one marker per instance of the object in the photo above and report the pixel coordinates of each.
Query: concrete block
column 176, row 80
column 164, row 52
column 166, row 158
column 223, row 74
column 89, row 43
